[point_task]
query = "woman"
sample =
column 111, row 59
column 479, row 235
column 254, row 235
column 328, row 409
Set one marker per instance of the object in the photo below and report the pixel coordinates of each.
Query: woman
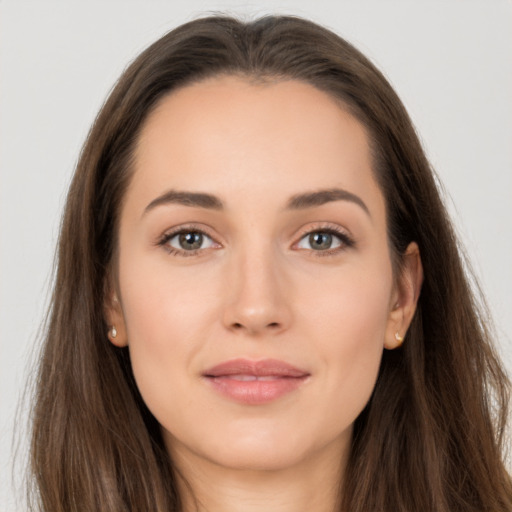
column 260, row 302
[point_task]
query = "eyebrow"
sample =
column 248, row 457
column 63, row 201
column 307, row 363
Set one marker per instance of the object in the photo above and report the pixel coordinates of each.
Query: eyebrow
column 296, row 202
column 320, row 197
column 193, row 199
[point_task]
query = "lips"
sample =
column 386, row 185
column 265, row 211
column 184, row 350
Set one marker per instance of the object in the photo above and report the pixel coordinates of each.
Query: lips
column 255, row 382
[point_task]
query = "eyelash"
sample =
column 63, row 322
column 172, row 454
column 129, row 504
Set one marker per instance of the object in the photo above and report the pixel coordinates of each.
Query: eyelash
column 345, row 240
column 164, row 240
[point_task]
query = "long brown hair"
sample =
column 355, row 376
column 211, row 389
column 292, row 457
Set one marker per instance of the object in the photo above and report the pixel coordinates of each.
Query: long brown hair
column 431, row 436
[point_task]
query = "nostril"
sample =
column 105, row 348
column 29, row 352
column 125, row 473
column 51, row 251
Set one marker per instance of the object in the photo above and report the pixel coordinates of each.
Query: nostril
column 238, row 325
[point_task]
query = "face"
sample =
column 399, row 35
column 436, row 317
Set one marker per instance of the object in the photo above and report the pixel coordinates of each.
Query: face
column 254, row 283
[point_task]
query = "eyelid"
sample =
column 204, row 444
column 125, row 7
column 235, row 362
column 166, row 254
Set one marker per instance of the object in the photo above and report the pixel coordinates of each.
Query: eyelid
column 346, row 239
column 344, row 236
column 170, row 233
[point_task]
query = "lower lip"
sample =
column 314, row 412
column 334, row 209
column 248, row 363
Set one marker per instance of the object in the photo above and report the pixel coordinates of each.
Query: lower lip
column 255, row 392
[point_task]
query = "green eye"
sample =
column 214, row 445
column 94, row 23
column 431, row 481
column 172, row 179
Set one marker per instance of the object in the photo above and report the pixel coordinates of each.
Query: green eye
column 189, row 241
column 321, row 241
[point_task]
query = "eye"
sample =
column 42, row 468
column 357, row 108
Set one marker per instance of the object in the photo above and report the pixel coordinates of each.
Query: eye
column 190, row 241
column 186, row 242
column 325, row 240
column 319, row 241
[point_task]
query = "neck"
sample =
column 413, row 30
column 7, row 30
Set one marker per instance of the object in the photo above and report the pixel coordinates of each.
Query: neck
column 312, row 484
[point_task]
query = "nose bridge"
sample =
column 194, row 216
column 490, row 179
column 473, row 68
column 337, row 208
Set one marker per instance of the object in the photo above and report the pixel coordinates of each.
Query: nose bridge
column 257, row 297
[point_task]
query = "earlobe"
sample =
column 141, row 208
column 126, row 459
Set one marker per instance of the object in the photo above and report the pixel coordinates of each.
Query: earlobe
column 406, row 297
column 112, row 334
column 114, row 318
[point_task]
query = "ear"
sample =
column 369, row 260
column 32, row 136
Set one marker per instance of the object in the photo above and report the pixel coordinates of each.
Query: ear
column 405, row 297
column 115, row 319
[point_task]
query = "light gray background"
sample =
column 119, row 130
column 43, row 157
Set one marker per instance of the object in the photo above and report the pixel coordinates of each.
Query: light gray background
column 450, row 61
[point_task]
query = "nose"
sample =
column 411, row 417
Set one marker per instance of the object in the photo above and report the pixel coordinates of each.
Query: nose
column 258, row 297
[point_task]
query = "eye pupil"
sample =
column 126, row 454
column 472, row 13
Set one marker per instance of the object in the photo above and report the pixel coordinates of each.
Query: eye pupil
column 320, row 240
column 191, row 240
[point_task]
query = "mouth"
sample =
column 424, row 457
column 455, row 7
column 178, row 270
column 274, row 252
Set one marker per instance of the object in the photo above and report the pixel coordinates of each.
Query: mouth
column 255, row 382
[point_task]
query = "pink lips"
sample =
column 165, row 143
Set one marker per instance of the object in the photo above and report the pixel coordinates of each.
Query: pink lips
column 255, row 382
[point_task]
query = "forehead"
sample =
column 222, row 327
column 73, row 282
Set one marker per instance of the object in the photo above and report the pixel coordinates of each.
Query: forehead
column 231, row 136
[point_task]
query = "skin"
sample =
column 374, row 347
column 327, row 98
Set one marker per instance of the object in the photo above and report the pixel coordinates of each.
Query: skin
column 257, row 288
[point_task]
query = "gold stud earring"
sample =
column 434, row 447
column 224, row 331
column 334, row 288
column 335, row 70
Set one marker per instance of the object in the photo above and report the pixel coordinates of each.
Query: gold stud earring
column 399, row 338
column 113, row 332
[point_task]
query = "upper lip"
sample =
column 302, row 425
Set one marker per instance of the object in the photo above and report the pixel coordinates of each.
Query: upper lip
column 263, row 368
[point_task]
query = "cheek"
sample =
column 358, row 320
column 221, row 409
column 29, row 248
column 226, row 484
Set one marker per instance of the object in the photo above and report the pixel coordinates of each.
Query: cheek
column 167, row 317
column 348, row 320
column 352, row 304
column 161, row 304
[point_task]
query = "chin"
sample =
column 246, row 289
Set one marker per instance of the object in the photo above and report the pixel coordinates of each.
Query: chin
column 249, row 449
column 255, row 456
